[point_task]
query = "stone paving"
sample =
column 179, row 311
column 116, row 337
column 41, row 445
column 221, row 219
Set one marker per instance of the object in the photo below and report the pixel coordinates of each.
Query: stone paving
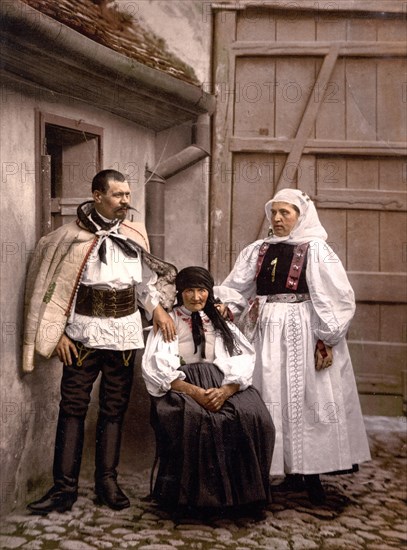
column 364, row 511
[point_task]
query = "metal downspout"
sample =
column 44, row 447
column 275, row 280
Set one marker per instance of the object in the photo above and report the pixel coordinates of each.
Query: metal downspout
column 155, row 202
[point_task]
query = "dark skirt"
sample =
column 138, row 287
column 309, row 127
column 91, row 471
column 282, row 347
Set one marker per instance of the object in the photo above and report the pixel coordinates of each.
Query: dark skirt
column 212, row 460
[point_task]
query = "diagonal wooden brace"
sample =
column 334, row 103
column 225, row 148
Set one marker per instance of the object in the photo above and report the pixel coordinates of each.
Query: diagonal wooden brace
column 308, row 119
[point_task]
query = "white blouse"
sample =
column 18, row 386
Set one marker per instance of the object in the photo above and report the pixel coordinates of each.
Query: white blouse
column 161, row 360
column 331, row 293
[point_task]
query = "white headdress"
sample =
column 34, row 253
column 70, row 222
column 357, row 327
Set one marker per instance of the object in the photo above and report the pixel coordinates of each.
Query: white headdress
column 308, row 226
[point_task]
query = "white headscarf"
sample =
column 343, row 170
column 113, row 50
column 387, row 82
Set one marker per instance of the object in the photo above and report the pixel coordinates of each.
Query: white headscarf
column 308, row 226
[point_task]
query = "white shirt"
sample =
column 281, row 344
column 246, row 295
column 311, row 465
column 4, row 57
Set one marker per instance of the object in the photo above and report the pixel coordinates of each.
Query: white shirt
column 120, row 271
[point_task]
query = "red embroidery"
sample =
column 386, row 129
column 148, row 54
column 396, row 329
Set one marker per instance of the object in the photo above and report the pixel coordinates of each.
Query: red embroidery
column 296, row 266
column 262, row 252
column 188, row 320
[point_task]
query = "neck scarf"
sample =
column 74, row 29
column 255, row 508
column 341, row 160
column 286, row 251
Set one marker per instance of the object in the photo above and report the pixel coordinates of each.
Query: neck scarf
column 308, row 226
column 93, row 222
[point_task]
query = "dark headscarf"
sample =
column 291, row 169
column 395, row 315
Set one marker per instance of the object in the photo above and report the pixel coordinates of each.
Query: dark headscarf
column 193, row 277
column 199, row 277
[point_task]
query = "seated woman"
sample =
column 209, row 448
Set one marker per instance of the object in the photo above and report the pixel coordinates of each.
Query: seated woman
column 215, row 435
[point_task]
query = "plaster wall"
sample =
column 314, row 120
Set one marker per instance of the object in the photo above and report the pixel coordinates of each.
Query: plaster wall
column 185, row 25
column 29, row 403
column 186, row 28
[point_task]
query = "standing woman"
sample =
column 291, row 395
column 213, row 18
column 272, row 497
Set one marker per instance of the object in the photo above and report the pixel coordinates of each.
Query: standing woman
column 297, row 306
column 214, row 434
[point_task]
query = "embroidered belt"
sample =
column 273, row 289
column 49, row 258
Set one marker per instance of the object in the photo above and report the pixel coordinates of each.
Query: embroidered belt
column 289, row 297
column 112, row 302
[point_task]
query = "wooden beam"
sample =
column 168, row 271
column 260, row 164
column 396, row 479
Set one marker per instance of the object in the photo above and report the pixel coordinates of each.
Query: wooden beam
column 380, row 7
column 309, row 117
column 220, row 195
column 365, row 199
column 308, row 48
column 306, row 125
column 46, row 194
column 383, row 384
column 379, row 286
column 69, row 205
column 315, row 146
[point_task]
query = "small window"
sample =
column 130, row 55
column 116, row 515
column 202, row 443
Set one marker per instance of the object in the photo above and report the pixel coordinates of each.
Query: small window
column 70, row 155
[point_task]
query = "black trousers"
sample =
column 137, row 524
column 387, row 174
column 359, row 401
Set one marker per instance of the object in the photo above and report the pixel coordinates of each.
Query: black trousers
column 116, row 368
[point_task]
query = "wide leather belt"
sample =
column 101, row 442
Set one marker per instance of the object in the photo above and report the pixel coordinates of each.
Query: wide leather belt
column 288, row 298
column 96, row 302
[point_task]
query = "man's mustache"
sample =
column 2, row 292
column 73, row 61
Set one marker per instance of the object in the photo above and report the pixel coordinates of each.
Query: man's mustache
column 127, row 207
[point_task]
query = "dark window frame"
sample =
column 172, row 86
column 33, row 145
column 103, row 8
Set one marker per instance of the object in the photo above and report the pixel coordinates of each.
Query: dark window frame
column 43, row 201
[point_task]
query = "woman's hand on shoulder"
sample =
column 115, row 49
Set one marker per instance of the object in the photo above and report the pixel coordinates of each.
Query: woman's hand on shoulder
column 224, row 311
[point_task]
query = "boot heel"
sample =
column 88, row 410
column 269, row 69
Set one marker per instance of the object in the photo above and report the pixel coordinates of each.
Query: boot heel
column 111, row 495
column 315, row 490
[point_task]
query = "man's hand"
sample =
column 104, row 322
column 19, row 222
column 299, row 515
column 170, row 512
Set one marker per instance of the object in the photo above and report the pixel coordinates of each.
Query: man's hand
column 64, row 348
column 163, row 321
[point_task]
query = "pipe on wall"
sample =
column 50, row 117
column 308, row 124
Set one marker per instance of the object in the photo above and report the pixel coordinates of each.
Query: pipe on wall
column 155, row 201
column 26, row 24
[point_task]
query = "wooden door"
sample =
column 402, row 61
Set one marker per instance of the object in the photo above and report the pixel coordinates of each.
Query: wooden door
column 316, row 99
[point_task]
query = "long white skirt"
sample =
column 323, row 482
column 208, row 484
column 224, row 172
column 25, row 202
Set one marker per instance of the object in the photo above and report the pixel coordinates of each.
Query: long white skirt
column 317, row 416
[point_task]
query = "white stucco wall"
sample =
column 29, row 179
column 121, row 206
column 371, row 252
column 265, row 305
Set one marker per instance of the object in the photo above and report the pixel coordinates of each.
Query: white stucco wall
column 30, row 402
column 185, row 25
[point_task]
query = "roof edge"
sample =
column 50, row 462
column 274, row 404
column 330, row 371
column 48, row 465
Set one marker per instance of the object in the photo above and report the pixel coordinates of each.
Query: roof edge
column 55, row 38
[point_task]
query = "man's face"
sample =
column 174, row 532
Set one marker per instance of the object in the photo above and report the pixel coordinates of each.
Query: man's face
column 114, row 203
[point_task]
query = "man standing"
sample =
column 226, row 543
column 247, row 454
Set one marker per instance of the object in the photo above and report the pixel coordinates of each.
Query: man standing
column 84, row 286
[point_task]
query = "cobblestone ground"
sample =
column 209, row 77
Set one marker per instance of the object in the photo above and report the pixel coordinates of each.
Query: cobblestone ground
column 364, row 511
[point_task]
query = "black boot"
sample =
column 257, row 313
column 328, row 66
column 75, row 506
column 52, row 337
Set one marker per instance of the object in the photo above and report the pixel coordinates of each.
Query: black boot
column 108, row 438
column 67, row 463
column 293, row 483
column 316, row 493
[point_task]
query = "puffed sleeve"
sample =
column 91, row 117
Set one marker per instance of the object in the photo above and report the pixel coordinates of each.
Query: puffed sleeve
column 159, row 364
column 240, row 285
column 331, row 293
column 147, row 294
column 237, row 369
